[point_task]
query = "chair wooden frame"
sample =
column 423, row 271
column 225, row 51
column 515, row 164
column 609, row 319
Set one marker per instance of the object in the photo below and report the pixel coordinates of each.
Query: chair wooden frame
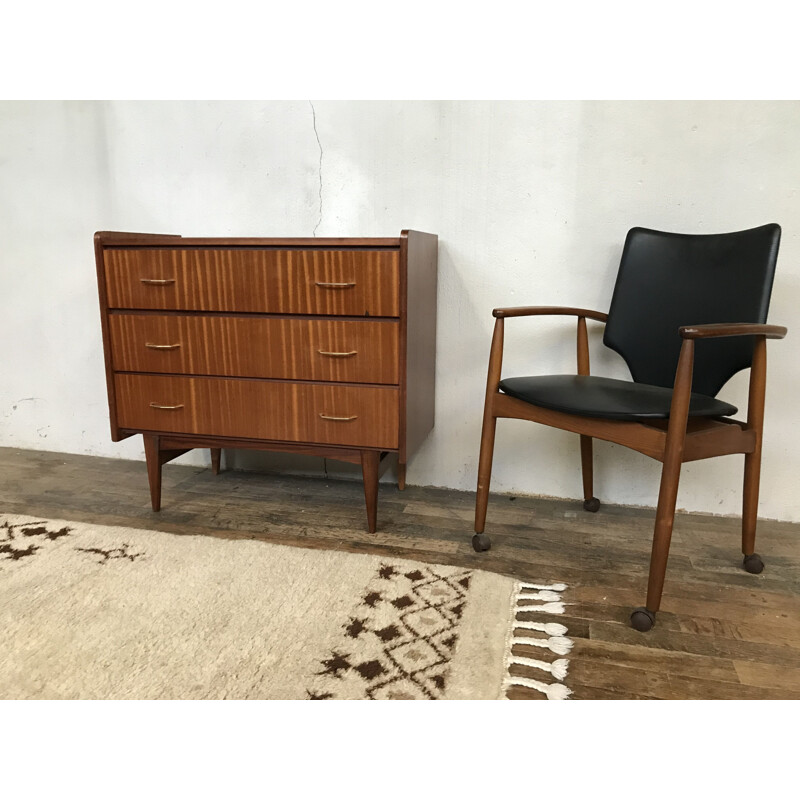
column 672, row 441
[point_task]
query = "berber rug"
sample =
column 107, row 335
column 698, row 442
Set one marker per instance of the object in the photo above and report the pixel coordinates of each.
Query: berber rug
column 94, row 612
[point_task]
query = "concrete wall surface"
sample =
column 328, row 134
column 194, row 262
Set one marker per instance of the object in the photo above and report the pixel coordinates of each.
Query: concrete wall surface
column 531, row 202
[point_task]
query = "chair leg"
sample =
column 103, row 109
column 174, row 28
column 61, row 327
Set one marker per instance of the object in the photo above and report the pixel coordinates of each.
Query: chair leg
column 484, row 472
column 480, row 541
column 644, row 618
column 752, row 461
column 590, row 502
column 752, row 474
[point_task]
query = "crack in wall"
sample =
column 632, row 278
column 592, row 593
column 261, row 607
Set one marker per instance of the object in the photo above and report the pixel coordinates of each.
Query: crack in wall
column 314, row 119
column 319, row 221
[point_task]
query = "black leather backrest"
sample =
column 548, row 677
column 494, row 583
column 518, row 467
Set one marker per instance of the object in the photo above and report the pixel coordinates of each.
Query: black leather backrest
column 666, row 280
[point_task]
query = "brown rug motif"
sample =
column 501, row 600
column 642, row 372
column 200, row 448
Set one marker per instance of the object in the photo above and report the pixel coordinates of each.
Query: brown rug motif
column 95, row 612
column 406, row 630
column 26, row 539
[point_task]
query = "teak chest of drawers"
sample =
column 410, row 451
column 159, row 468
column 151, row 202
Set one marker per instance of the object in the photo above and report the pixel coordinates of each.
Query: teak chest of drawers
column 318, row 346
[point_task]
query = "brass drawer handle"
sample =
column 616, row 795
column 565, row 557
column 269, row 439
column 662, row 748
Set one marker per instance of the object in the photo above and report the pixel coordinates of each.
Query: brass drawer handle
column 335, row 285
column 337, row 355
column 338, row 419
column 157, row 281
column 162, row 346
column 166, row 408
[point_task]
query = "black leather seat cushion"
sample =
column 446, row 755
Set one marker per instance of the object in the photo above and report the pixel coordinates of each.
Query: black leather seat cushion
column 607, row 398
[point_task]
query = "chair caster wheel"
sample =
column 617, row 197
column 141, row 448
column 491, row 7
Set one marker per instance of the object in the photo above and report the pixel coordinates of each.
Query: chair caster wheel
column 753, row 564
column 593, row 504
column 481, row 542
column 642, row 619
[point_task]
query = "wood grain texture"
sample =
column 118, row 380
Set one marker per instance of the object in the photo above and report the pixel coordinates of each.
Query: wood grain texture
column 154, row 463
column 320, row 346
column 122, row 239
column 717, row 329
column 543, row 311
column 752, row 461
column 584, row 368
column 257, row 347
column 721, row 632
column 369, row 468
column 645, row 439
column 255, row 280
column 670, row 474
column 489, row 426
column 256, row 409
column 216, row 458
column 116, row 435
column 419, row 259
column 191, row 441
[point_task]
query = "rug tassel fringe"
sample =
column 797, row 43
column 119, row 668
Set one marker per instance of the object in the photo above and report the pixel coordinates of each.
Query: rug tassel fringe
column 544, row 595
column 556, row 641
column 550, row 628
column 556, row 587
column 557, row 668
column 554, row 691
column 548, row 608
column 558, row 644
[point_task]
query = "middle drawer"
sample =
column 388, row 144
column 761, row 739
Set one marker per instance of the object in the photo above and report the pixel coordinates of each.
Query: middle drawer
column 352, row 351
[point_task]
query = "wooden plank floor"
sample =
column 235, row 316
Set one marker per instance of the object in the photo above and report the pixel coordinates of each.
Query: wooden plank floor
column 721, row 633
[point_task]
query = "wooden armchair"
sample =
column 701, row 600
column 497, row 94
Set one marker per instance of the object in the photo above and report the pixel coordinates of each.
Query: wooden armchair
column 666, row 283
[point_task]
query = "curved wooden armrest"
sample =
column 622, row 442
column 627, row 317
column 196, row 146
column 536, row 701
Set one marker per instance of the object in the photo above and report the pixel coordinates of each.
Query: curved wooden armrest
column 732, row 329
column 533, row 311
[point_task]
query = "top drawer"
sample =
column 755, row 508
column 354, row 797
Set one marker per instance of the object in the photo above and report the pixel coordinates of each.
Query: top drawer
column 341, row 282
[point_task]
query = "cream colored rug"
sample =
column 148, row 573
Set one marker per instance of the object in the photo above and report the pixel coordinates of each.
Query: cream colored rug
column 92, row 612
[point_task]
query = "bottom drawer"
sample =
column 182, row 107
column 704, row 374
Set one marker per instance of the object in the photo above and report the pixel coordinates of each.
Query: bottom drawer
column 357, row 416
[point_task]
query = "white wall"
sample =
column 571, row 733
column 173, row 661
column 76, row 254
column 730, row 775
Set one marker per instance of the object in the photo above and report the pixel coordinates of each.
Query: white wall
column 531, row 202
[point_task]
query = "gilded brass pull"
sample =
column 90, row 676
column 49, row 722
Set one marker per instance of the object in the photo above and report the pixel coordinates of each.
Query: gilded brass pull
column 166, row 408
column 338, row 419
column 162, row 346
column 335, row 285
column 337, row 355
column 157, row 281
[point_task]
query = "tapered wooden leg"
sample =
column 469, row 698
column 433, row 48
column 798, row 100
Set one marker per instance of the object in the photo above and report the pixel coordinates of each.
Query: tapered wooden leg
column 401, row 476
column 670, row 476
column 662, row 535
column 590, row 502
column 480, row 541
column 369, row 469
column 752, row 476
column 586, row 466
column 216, row 453
column 484, row 471
column 151, row 452
column 752, row 461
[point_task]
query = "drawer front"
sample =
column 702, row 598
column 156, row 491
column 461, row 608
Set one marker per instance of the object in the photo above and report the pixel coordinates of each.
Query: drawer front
column 351, row 351
column 356, row 416
column 342, row 282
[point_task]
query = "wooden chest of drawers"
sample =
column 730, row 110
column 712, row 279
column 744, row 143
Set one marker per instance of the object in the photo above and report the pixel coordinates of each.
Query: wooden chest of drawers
column 319, row 346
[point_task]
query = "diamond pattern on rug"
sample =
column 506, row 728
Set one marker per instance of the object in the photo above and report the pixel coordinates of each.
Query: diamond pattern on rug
column 406, row 627
column 96, row 612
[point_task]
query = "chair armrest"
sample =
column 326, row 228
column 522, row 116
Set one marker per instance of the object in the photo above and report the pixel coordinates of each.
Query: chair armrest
column 535, row 311
column 732, row 329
